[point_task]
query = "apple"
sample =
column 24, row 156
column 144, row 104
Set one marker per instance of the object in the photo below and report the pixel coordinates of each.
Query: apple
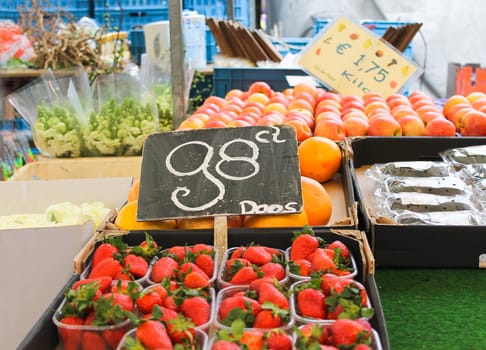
column 302, row 115
column 234, row 93
column 397, row 99
column 428, row 116
column 412, row 125
column 328, row 95
column 275, row 106
column 375, row 105
column 307, row 96
column 356, row 126
column 215, row 123
column 219, row 101
column 331, row 128
column 416, row 95
column 327, row 115
column 473, row 96
column 474, row 124
column 260, row 87
column 440, row 127
column 258, row 97
column 327, row 108
column 279, row 97
column 248, row 117
column 199, row 115
column 348, row 98
column 191, row 124
column 239, row 122
column 384, row 126
column 479, row 102
column 354, row 104
column 234, row 101
column 269, row 119
column 300, row 104
column 354, row 114
column 302, row 130
column 208, row 107
column 403, row 111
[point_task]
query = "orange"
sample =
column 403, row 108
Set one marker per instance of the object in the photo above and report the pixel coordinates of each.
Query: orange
column 127, row 220
column 134, row 190
column 206, row 222
column 317, row 202
column 278, row 220
column 319, row 158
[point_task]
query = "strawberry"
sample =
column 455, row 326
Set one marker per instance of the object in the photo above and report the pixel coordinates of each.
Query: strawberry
column 197, row 309
column 70, row 338
column 103, row 251
column 348, row 332
column 311, row 303
column 137, row 265
column 104, row 283
column 257, row 255
column 362, row 347
column 315, row 331
column 153, row 335
column 266, row 319
column 237, row 302
column 269, row 293
column 203, row 249
column 129, row 288
column 245, row 275
column 181, row 329
column 170, row 303
column 165, row 267
column 108, row 267
column 167, row 314
column 338, row 245
column 206, row 263
column 196, row 279
column 123, row 300
column 256, row 284
column 161, row 291
column 237, row 252
column 231, row 263
column 278, row 340
column 147, row 249
column 177, row 252
column 273, row 251
column 113, row 336
column 93, row 340
column 147, row 301
column 225, row 345
column 187, row 267
column 252, row 339
column 321, row 262
column 272, row 269
column 300, row 267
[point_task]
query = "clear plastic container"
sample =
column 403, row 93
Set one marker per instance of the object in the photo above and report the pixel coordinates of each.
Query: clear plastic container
column 213, row 340
column 66, row 331
column 232, row 290
column 295, row 277
column 142, row 281
column 201, row 339
column 223, row 281
column 300, row 320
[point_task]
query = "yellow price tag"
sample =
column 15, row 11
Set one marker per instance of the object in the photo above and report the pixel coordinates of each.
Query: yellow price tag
column 352, row 60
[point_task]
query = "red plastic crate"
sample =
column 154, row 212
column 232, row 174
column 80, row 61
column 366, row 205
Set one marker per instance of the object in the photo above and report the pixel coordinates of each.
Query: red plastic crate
column 464, row 79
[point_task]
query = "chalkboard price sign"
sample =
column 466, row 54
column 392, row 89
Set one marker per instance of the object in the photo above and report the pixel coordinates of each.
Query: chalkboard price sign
column 220, row 171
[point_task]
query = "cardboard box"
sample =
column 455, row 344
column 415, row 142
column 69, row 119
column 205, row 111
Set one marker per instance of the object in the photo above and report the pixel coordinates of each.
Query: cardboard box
column 37, row 262
column 79, row 168
column 44, row 333
column 412, row 245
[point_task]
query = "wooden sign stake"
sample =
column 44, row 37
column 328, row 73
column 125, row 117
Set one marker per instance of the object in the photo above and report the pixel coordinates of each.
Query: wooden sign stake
column 220, row 236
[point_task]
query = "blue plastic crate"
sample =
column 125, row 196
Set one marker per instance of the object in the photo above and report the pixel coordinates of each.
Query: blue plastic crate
column 225, row 79
column 290, row 45
column 127, row 20
column 131, row 4
column 211, row 47
column 137, row 44
column 14, row 15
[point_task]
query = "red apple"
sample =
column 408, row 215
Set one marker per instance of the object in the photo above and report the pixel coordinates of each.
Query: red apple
column 440, row 127
column 331, row 128
column 384, row 126
column 260, row 87
column 474, row 124
column 356, row 126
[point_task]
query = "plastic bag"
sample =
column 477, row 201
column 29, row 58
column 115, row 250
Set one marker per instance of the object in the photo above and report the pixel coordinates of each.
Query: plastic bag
column 14, row 45
column 465, row 155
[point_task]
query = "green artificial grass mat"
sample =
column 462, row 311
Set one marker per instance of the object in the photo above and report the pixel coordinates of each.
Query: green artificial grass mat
column 434, row 308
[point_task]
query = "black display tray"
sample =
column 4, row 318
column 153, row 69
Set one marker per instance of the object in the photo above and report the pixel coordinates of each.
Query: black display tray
column 443, row 246
column 44, row 334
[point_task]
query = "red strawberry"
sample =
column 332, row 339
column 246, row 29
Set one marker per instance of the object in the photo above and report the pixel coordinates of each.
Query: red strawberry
column 362, row 347
column 93, row 340
column 187, row 267
column 311, row 303
column 178, row 252
column 252, row 339
column 303, row 245
column 123, row 300
column 206, row 263
column 125, row 287
column 321, row 262
column 278, row 340
column 268, row 292
column 230, row 263
column 318, row 332
column 273, row 251
column 70, row 338
column 225, row 345
column 181, row 329
column 347, row 332
column 334, row 312
column 201, row 248
column 239, row 301
column 237, row 252
column 272, row 269
column 108, row 267
column 167, row 314
column 104, row 283
column 266, row 319
column 153, row 335
column 196, row 279
column 161, row 291
column 137, row 265
column 165, row 267
column 103, row 251
column 257, row 255
column 330, row 281
column 301, row 267
column 170, row 303
column 256, row 284
column 113, row 336
column 245, row 275
column 341, row 246
column 147, row 301
column 197, row 309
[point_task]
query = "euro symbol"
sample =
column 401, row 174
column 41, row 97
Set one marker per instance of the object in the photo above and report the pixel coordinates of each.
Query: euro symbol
column 342, row 47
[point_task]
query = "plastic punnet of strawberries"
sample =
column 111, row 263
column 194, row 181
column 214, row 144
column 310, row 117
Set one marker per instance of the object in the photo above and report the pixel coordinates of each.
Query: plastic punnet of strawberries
column 96, row 313
column 238, row 338
column 115, row 259
column 263, row 305
column 310, row 255
column 193, row 266
column 242, row 265
column 329, row 298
